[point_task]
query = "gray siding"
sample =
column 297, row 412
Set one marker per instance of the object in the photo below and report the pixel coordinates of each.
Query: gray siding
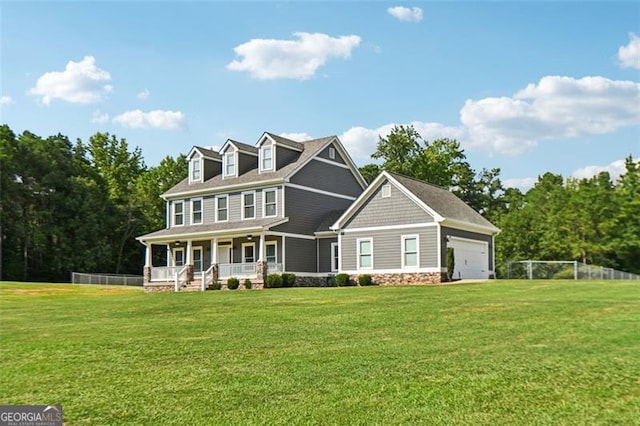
column 325, row 154
column 463, row 234
column 320, row 175
column 324, row 253
column 209, row 213
column 246, row 162
column 306, row 210
column 285, row 156
column 387, row 248
column 397, row 209
column 212, row 168
column 301, row 255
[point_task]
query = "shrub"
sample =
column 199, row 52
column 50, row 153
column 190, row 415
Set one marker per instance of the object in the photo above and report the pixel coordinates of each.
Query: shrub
column 247, row 284
column 565, row 274
column 216, row 285
column 342, row 280
column 233, row 283
column 288, row 280
column 364, row 279
column 274, row 281
column 451, row 262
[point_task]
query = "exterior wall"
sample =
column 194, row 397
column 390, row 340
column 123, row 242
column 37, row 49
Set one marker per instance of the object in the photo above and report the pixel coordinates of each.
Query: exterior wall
column 285, row 156
column 464, row 234
column 211, row 168
column 325, row 154
column 320, row 175
column 306, row 210
column 246, row 162
column 387, row 248
column 397, row 209
column 300, row 255
column 324, row 253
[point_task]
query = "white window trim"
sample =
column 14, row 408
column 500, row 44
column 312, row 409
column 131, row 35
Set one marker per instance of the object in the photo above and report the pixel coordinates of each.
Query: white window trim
column 335, row 246
column 217, row 209
column 271, row 243
column 242, row 205
column 201, row 211
column 264, row 202
column 403, row 253
column 358, row 241
column 386, row 190
column 173, row 258
column 273, row 157
column 173, row 213
column 225, row 157
column 332, row 153
column 193, row 250
column 195, row 159
column 252, row 244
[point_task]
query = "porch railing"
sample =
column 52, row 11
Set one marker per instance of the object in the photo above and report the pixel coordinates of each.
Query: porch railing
column 164, row 273
column 274, row 267
column 181, row 277
column 207, row 278
column 226, row 270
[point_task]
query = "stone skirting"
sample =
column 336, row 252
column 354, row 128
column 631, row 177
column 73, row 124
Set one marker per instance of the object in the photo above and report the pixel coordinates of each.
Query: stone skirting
column 154, row 287
column 302, row 281
column 410, row 278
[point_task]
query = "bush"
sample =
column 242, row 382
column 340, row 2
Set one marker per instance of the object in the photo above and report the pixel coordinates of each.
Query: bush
column 343, row 280
column 451, row 262
column 364, row 279
column 288, row 280
column 274, row 281
column 216, row 285
column 247, row 284
column 565, row 274
column 233, row 283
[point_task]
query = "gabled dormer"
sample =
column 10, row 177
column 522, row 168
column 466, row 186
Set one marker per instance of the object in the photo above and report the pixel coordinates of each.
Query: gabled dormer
column 203, row 164
column 237, row 158
column 276, row 152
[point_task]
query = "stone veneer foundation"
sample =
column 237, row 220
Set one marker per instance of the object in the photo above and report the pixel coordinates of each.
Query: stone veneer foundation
column 417, row 278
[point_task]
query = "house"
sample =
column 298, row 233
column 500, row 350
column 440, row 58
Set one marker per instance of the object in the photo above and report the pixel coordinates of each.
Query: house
column 280, row 205
column 399, row 228
column 249, row 210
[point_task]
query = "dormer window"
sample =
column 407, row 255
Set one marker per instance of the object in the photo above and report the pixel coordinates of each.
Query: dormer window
column 196, row 169
column 266, row 158
column 230, row 164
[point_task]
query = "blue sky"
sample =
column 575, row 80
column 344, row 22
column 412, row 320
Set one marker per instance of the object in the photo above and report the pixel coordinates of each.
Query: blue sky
column 528, row 87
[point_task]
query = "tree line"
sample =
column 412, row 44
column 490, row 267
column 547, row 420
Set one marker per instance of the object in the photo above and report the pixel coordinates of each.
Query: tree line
column 79, row 206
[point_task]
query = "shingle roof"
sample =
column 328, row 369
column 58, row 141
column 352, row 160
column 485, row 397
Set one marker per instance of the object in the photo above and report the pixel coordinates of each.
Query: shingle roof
column 310, row 149
column 209, row 153
column 244, row 146
column 442, row 201
column 181, row 231
column 286, row 142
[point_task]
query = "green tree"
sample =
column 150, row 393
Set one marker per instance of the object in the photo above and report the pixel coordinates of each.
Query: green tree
column 370, row 171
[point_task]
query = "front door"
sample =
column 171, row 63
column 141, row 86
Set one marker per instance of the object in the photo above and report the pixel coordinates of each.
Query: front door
column 197, row 260
column 225, row 254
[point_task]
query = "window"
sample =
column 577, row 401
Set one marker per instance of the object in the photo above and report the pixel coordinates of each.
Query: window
column 197, row 259
column 178, row 256
column 196, row 172
column 365, row 253
column 332, row 153
column 267, row 158
column 222, row 208
column 409, row 251
column 248, row 252
column 178, row 213
column 196, row 211
column 270, row 206
column 249, row 205
column 271, row 255
column 386, row 190
column 335, row 266
column 230, row 164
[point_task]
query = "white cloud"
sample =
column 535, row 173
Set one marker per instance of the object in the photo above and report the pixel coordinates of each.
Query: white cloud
column 5, row 100
column 629, row 55
column 299, row 137
column 99, row 117
column 81, row 82
column 556, row 107
column 158, row 119
column 523, row 184
column 615, row 169
column 144, row 95
column 413, row 14
column 268, row 59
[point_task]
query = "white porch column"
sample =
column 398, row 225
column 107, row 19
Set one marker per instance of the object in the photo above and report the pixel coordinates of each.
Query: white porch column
column 169, row 256
column 214, row 251
column 261, row 248
column 147, row 254
column 188, row 253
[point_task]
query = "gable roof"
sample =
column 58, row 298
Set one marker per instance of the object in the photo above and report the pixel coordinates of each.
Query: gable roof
column 240, row 146
column 253, row 177
column 206, row 153
column 284, row 141
column 445, row 206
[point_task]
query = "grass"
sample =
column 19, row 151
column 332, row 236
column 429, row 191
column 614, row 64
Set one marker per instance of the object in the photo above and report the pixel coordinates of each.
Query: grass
column 505, row 352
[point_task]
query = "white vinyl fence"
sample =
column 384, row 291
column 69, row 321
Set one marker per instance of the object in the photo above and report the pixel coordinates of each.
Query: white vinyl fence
column 106, row 279
column 570, row 270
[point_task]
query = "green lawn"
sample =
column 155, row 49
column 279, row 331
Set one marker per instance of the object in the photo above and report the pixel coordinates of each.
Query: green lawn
column 505, row 352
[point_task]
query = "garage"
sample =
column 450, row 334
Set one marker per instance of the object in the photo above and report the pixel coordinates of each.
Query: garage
column 471, row 258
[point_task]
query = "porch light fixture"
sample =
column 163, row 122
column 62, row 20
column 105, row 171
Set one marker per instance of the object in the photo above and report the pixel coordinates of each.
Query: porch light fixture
column 249, row 237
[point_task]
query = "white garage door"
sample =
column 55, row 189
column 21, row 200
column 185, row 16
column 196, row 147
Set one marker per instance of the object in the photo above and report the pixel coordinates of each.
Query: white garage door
column 471, row 258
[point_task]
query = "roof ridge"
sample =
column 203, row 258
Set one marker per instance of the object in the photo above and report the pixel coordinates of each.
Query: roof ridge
column 424, row 182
